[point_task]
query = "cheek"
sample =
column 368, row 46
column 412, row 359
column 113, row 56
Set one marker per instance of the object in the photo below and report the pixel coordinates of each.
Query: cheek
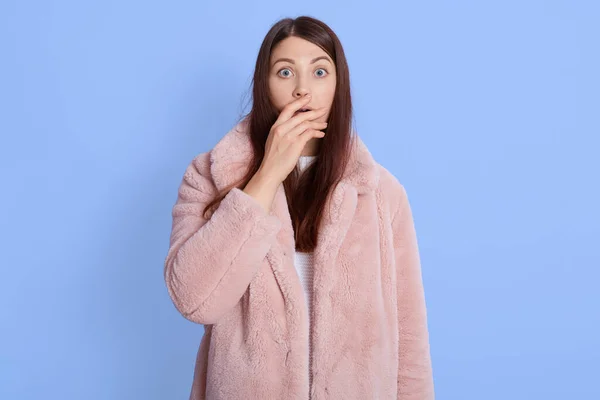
column 331, row 93
column 328, row 93
column 277, row 95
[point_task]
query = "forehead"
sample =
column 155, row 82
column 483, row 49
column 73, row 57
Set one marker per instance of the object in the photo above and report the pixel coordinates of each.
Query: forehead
column 298, row 49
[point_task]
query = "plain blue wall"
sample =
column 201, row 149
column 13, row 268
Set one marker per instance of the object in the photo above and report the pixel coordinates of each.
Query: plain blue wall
column 488, row 112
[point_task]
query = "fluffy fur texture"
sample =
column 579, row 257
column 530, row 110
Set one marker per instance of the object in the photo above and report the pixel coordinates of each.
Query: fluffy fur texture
column 234, row 273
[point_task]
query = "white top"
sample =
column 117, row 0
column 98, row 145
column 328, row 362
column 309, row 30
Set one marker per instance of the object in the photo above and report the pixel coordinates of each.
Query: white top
column 304, row 266
column 304, row 161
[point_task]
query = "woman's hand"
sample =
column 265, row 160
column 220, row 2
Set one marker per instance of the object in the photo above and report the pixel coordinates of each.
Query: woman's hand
column 287, row 138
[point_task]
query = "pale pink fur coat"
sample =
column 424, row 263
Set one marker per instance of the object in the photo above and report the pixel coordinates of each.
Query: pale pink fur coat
column 234, row 273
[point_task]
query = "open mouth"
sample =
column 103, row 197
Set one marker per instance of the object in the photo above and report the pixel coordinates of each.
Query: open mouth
column 302, row 110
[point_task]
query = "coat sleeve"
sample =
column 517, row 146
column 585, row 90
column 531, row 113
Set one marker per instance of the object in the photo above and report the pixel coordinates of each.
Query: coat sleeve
column 211, row 262
column 415, row 378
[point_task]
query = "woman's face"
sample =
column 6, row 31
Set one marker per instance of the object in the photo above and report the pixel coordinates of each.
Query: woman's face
column 298, row 67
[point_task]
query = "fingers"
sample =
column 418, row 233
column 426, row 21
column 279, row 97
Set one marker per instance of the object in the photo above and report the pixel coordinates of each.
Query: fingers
column 289, row 110
column 309, row 134
column 308, row 116
column 306, row 125
column 312, row 114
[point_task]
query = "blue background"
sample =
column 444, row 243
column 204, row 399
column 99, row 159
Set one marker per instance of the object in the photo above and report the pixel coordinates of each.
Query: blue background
column 487, row 112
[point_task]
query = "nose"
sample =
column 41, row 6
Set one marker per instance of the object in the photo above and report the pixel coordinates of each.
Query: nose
column 300, row 92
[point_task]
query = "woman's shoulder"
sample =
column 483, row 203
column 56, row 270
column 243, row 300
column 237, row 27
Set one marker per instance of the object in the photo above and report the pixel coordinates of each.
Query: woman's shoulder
column 197, row 176
column 199, row 165
column 390, row 190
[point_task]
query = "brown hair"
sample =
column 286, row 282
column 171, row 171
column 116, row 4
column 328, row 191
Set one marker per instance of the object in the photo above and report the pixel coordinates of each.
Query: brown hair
column 307, row 193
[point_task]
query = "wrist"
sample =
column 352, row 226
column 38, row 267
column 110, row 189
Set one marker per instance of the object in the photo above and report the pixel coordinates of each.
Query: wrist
column 267, row 179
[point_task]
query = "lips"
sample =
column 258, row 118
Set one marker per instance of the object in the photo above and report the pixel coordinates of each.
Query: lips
column 302, row 110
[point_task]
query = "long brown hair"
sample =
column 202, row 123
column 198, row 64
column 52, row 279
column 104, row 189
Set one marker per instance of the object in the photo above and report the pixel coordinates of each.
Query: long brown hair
column 306, row 193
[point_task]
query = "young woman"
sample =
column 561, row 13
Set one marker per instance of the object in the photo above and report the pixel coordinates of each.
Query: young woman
column 295, row 249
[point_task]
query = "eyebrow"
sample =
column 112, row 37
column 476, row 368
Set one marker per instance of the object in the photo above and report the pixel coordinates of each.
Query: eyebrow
column 314, row 60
